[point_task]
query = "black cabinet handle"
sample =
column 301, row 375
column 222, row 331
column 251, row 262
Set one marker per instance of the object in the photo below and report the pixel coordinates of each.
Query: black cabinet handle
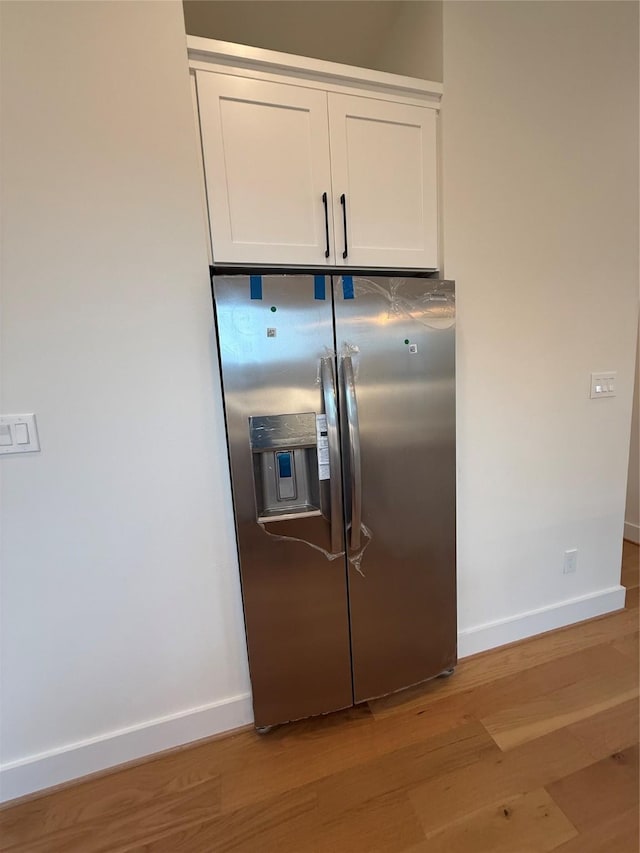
column 343, row 202
column 326, row 223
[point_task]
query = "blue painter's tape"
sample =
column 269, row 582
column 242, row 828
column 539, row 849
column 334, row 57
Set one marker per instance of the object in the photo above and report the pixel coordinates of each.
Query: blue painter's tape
column 347, row 287
column 255, row 285
column 319, row 290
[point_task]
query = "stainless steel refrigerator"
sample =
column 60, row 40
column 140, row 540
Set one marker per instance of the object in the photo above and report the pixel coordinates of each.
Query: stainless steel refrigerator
column 340, row 411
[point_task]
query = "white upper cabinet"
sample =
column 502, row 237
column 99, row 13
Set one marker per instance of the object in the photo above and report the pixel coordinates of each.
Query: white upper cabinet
column 383, row 169
column 309, row 163
column 266, row 160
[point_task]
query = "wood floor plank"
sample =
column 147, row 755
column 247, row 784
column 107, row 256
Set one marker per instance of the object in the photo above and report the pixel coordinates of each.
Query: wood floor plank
column 510, row 687
column 630, row 574
column 387, row 824
column 618, row 834
column 449, row 798
column 548, row 677
column 629, row 646
column 277, row 824
column 631, row 600
column 510, row 660
column 294, row 756
column 454, row 751
column 309, row 752
column 527, row 686
column 528, row 823
column 591, row 795
column 112, row 795
column 530, row 720
column 609, row 731
column 355, row 809
column 112, row 832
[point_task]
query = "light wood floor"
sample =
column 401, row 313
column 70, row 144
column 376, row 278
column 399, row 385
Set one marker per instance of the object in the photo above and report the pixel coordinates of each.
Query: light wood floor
column 533, row 747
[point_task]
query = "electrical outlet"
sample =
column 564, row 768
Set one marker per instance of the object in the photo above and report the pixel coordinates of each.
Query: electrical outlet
column 570, row 561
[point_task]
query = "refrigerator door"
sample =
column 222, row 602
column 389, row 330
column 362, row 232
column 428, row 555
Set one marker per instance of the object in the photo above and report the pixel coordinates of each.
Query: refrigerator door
column 396, row 350
column 276, row 343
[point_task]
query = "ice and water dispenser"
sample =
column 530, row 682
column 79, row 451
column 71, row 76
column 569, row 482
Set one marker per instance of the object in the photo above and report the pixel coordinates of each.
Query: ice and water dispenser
column 289, row 460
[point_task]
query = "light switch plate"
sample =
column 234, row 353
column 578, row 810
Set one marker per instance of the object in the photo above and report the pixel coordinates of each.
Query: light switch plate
column 18, row 434
column 603, row 384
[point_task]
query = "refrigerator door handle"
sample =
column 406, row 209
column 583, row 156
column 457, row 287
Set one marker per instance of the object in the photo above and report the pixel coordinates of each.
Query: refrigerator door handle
column 335, row 491
column 355, row 465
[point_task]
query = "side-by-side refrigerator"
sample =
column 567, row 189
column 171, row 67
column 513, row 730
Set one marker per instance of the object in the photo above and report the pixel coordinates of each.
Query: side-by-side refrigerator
column 340, row 411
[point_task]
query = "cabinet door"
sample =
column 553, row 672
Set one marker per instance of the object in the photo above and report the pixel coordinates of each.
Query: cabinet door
column 383, row 168
column 266, row 157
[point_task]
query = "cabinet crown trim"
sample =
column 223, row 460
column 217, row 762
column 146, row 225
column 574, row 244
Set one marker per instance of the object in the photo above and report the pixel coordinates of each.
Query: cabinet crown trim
column 258, row 59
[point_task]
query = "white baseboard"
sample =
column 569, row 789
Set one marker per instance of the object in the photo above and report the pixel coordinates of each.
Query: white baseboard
column 90, row 756
column 100, row 753
column 632, row 532
column 504, row 631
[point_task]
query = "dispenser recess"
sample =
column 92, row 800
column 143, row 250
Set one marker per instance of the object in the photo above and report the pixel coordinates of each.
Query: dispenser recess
column 285, row 466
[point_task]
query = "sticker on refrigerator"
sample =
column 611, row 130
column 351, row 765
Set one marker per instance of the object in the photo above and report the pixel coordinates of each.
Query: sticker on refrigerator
column 322, row 440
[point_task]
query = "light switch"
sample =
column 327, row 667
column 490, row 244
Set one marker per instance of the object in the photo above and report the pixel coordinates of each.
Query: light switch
column 603, row 384
column 21, row 432
column 18, row 434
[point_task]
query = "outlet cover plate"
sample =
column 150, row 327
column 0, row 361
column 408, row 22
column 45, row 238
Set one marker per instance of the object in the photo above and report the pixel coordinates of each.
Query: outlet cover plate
column 570, row 561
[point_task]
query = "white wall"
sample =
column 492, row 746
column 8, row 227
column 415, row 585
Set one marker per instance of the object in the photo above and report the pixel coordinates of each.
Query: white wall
column 541, row 235
column 120, row 599
column 388, row 35
column 632, row 509
column 413, row 44
column 325, row 29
